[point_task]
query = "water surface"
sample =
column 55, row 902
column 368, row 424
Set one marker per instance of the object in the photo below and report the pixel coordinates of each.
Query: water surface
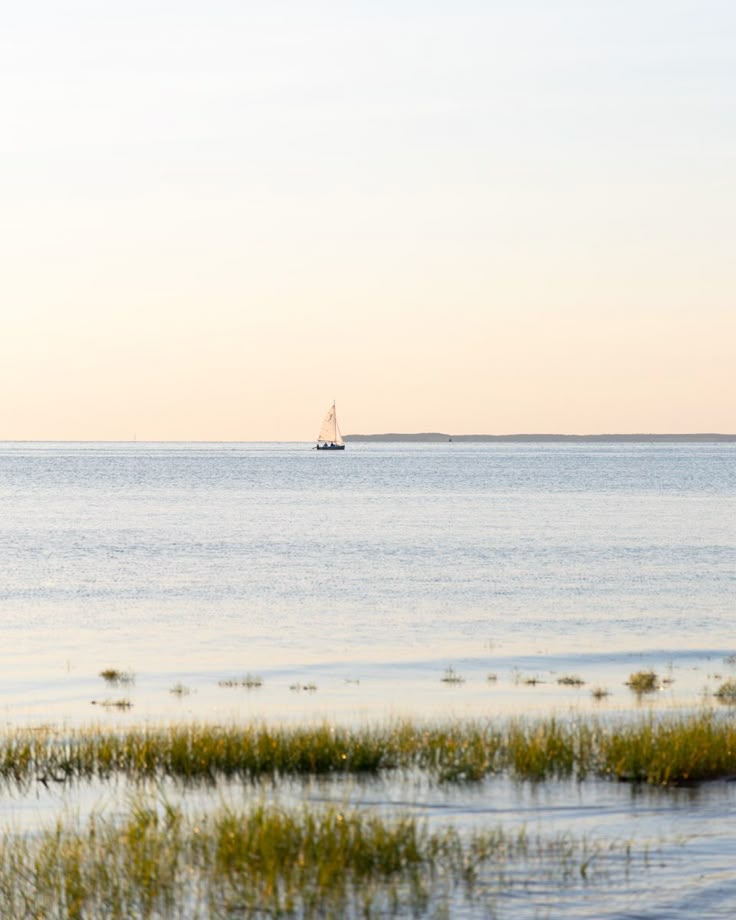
column 351, row 582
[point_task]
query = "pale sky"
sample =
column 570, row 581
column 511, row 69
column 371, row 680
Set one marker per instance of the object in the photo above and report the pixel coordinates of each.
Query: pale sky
column 463, row 216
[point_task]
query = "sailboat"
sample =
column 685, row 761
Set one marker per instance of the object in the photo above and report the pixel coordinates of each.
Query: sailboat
column 329, row 437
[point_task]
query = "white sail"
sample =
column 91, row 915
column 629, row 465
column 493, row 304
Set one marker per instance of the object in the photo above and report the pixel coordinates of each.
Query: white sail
column 329, row 433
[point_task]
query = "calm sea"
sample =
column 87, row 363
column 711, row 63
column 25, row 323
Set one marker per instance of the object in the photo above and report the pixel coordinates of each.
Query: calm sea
column 385, row 564
column 352, row 584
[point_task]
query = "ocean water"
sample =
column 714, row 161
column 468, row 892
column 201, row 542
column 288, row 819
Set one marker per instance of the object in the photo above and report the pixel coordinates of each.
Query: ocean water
column 362, row 572
column 350, row 583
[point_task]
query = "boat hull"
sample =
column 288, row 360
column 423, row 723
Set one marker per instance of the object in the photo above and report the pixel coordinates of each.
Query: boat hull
column 330, row 447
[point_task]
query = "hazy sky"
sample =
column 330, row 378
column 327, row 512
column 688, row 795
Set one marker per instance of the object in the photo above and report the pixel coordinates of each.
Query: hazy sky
column 462, row 216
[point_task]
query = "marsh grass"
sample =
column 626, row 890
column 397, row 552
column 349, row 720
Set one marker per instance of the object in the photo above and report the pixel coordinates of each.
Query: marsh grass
column 643, row 682
column 726, row 693
column 666, row 751
column 156, row 861
column 452, row 677
column 116, row 677
column 180, row 690
column 599, row 693
column 249, row 681
column 670, row 752
column 571, row 680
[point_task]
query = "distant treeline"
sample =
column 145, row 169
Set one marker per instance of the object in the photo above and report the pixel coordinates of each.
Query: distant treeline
column 438, row 436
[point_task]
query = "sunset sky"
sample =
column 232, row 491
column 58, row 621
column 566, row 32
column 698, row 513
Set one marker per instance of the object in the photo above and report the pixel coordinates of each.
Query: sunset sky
column 462, row 216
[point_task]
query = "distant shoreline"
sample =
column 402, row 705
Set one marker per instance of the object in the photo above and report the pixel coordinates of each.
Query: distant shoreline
column 436, row 437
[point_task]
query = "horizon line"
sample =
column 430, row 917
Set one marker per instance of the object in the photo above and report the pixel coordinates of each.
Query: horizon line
column 420, row 435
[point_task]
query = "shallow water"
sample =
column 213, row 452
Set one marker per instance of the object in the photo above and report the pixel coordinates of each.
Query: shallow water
column 652, row 853
column 365, row 575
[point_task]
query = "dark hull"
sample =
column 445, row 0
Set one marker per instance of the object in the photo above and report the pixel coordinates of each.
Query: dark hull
column 330, row 447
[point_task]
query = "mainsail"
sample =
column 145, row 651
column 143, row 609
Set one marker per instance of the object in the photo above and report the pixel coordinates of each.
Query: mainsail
column 329, row 433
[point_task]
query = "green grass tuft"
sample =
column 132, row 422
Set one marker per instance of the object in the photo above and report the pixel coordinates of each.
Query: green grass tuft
column 570, row 680
column 726, row 693
column 643, row 682
column 116, row 677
